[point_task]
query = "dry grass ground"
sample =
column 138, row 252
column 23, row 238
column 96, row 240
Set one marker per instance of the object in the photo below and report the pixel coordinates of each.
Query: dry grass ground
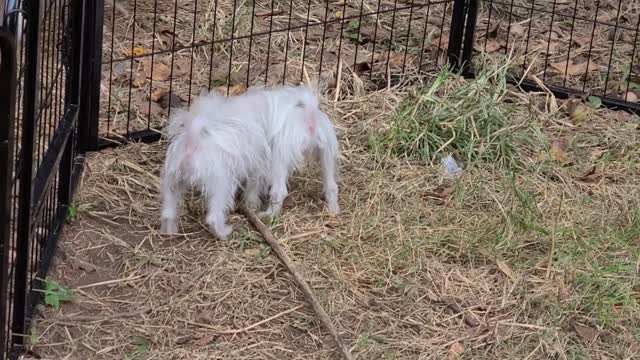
column 536, row 259
column 531, row 254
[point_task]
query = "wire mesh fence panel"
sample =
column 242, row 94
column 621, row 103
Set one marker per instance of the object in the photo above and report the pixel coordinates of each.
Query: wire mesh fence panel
column 41, row 143
column 579, row 47
column 159, row 54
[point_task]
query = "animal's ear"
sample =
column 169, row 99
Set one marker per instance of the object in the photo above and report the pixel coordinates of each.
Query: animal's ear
column 204, row 92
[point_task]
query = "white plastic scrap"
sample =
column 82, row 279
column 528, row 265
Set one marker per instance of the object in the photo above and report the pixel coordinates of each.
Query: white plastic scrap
column 451, row 168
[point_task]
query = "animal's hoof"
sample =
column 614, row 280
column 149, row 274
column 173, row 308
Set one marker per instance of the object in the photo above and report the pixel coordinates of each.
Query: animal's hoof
column 168, row 227
column 224, row 232
column 334, row 209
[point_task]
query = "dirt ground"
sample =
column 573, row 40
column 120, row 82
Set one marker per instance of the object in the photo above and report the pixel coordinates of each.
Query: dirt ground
column 531, row 258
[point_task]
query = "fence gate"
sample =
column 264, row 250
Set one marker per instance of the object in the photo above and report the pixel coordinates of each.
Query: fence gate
column 40, row 158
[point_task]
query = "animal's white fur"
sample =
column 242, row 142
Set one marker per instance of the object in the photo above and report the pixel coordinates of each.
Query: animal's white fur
column 257, row 138
column 213, row 148
column 296, row 129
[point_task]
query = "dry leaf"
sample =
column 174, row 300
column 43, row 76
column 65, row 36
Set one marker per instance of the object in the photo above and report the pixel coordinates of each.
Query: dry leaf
column 455, row 351
column 441, row 42
column 582, row 40
column 204, row 318
column 571, row 68
column 156, row 71
column 362, row 67
column 86, row 266
column 139, row 79
column 492, row 32
column 578, row 111
column 559, row 151
column 154, row 108
column 517, row 29
column 170, row 100
column 587, row 333
column 630, row 96
column 181, row 67
column 205, row 340
column 158, row 93
column 490, row 46
column 135, row 51
column 183, row 339
column 589, row 175
column 439, row 194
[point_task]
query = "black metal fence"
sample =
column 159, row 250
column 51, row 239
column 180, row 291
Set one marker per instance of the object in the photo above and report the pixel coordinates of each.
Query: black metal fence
column 574, row 48
column 83, row 75
column 158, row 54
column 40, row 77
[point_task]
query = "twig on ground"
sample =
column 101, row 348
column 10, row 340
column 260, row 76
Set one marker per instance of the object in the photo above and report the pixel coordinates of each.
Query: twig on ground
column 246, row 328
column 306, row 289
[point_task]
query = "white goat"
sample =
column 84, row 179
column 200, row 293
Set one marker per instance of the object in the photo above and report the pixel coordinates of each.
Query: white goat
column 257, row 138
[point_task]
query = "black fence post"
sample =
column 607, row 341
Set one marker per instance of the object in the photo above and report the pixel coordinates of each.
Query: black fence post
column 75, row 51
column 469, row 38
column 89, row 102
column 461, row 37
column 29, row 120
column 456, row 33
column 7, row 113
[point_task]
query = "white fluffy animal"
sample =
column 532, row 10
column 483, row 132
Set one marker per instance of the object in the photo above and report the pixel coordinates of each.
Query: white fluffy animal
column 297, row 131
column 213, row 148
column 256, row 139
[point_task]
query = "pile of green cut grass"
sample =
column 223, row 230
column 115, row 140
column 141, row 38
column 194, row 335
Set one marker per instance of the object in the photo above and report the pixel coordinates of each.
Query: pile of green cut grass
column 466, row 118
column 552, row 201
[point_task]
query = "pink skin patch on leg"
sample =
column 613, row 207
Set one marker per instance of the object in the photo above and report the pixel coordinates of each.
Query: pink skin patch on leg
column 311, row 124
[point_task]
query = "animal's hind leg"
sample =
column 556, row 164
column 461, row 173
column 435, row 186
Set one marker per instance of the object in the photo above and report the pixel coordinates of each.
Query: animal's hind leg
column 252, row 193
column 171, row 193
column 220, row 196
column 278, row 192
column 328, row 162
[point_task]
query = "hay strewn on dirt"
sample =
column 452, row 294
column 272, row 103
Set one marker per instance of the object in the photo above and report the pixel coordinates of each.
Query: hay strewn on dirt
column 413, row 268
column 535, row 257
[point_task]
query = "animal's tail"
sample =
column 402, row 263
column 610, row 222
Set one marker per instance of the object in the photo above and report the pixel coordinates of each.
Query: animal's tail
column 196, row 131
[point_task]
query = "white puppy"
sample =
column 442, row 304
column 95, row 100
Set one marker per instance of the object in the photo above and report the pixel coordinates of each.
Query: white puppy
column 257, row 138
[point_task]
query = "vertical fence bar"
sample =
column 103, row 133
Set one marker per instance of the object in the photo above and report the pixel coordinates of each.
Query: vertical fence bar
column 89, row 116
column 29, row 119
column 456, row 34
column 7, row 116
column 469, row 37
column 73, row 95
